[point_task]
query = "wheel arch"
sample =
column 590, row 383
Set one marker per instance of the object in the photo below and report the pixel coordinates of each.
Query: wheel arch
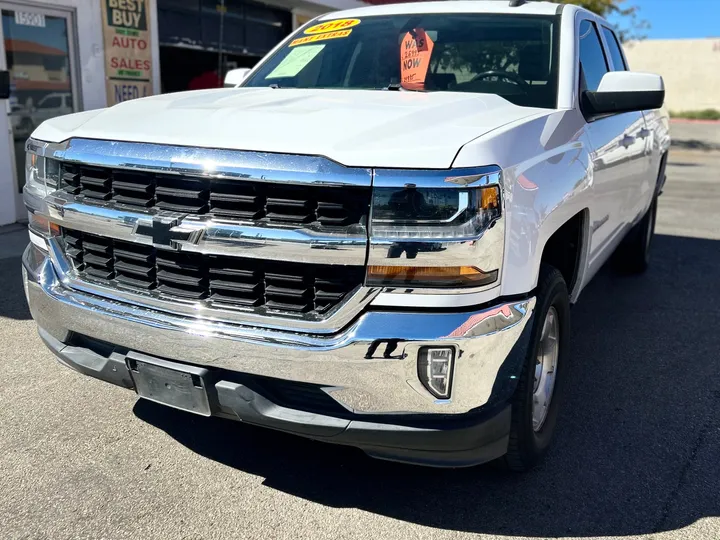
column 566, row 249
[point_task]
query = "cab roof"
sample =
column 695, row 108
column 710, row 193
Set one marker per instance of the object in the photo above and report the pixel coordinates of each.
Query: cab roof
column 456, row 6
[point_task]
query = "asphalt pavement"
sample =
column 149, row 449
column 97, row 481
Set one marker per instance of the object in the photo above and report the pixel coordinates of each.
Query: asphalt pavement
column 637, row 452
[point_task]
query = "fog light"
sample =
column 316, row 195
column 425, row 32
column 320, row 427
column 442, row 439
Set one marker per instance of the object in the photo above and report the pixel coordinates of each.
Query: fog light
column 435, row 367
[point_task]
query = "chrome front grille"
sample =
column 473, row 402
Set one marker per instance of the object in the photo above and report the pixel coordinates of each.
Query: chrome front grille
column 235, row 236
column 291, row 288
column 235, row 199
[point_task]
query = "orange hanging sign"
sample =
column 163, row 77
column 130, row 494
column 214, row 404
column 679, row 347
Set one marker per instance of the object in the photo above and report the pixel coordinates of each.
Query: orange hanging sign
column 415, row 51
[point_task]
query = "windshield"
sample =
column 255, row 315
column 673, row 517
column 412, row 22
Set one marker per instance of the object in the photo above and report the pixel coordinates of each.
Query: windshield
column 509, row 55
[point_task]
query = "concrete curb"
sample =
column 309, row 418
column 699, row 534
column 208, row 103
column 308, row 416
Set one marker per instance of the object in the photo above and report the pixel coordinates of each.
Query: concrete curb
column 693, row 121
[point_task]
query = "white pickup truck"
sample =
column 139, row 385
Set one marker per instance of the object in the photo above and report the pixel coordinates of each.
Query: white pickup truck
column 374, row 240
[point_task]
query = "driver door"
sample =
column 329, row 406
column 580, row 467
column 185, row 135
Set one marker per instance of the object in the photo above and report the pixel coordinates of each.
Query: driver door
column 618, row 154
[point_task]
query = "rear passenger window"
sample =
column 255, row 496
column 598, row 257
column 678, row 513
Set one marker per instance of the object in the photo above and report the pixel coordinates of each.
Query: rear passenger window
column 615, row 51
column 592, row 57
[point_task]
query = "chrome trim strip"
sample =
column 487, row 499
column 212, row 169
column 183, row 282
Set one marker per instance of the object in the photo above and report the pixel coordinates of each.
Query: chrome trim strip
column 205, row 310
column 420, row 299
column 205, row 162
column 485, row 251
column 215, row 237
column 296, row 245
column 446, row 178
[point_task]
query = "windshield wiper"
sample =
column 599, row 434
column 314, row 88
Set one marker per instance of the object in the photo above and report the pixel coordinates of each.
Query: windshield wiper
column 274, row 85
column 398, row 87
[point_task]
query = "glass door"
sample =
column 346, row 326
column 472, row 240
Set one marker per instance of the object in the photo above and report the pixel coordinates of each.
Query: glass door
column 39, row 48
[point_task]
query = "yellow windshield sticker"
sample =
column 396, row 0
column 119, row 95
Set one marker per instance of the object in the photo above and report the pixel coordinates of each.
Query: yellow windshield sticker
column 320, row 37
column 331, row 26
column 295, row 61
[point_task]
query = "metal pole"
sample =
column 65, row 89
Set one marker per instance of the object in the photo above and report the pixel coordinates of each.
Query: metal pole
column 220, row 45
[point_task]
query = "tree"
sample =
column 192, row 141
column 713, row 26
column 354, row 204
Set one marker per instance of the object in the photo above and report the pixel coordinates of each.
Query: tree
column 632, row 26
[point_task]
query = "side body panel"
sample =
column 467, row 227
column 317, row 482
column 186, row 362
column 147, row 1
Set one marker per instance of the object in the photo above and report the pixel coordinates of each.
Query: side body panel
column 620, row 165
column 658, row 125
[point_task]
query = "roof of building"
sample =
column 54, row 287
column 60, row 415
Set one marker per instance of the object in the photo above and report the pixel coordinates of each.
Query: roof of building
column 25, row 46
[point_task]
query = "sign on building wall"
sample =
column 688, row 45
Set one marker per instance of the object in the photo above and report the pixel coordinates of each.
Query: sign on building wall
column 128, row 53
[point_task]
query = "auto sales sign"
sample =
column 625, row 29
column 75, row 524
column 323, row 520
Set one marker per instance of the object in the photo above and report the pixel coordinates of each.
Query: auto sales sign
column 128, row 54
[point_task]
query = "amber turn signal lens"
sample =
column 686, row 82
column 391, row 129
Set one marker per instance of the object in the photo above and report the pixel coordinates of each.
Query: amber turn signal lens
column 428, row 276
column 490, row 198
column 43, row 225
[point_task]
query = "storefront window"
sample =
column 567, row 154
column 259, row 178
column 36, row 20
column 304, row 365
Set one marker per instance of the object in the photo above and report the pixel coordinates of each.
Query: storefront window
column 38, row 57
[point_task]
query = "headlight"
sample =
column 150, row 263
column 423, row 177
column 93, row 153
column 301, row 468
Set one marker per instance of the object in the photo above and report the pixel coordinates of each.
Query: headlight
column 436, row 229
column 41, row 173
column 434, row 213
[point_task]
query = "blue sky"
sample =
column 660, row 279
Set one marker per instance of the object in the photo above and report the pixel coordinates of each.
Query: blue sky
column 675, row 19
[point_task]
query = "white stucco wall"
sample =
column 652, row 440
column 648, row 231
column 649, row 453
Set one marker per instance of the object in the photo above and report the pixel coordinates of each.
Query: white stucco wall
column 90, row 69
column 690, row 67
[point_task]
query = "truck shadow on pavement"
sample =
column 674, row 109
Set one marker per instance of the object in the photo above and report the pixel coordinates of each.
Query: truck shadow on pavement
column 638, row 445
column 695, row 144
column 13, row 304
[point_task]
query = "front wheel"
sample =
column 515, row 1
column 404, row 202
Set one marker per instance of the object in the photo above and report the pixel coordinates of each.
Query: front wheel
column 536, row 399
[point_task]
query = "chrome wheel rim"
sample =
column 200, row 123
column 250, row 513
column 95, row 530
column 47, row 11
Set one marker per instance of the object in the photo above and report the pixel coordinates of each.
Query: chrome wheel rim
column 545, row 368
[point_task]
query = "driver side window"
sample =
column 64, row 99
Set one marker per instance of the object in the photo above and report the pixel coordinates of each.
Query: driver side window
column 593, row 64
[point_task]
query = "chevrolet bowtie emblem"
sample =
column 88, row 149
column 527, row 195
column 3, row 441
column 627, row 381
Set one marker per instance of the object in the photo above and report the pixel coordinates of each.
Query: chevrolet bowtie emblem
column 160, row 230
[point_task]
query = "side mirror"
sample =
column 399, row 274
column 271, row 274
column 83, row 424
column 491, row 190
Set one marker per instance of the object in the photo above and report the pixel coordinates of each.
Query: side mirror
column 624, row 91
column 4, row 84
column 235, row 77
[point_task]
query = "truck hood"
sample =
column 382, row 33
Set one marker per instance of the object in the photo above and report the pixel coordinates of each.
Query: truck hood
column 364, row 128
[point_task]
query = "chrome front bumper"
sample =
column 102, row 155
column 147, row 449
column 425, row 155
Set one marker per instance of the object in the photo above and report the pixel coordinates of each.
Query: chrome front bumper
column 369, row 367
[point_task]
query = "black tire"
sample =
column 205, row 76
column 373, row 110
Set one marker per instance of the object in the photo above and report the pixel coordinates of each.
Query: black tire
column 633, row 254
column 527, row 446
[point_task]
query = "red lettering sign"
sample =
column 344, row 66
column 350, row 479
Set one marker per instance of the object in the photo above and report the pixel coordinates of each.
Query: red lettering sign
column 415, row 51
column 129, row 43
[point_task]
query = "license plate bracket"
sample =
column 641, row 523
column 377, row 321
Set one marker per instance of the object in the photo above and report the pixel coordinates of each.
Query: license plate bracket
column 169, row 383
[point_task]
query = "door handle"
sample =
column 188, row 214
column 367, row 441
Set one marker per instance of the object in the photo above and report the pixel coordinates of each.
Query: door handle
column 627, row 141
column 643, row 133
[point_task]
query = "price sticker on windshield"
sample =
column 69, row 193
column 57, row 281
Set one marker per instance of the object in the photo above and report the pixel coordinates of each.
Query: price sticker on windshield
column 295, row 62
column 332, row 26
column 320, row 37
column 415, row 51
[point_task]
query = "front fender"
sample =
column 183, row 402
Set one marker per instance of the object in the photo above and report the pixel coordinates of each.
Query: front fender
column 547, row 180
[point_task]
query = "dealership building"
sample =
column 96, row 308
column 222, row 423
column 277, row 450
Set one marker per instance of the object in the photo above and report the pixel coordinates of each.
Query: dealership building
column 67, row 56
